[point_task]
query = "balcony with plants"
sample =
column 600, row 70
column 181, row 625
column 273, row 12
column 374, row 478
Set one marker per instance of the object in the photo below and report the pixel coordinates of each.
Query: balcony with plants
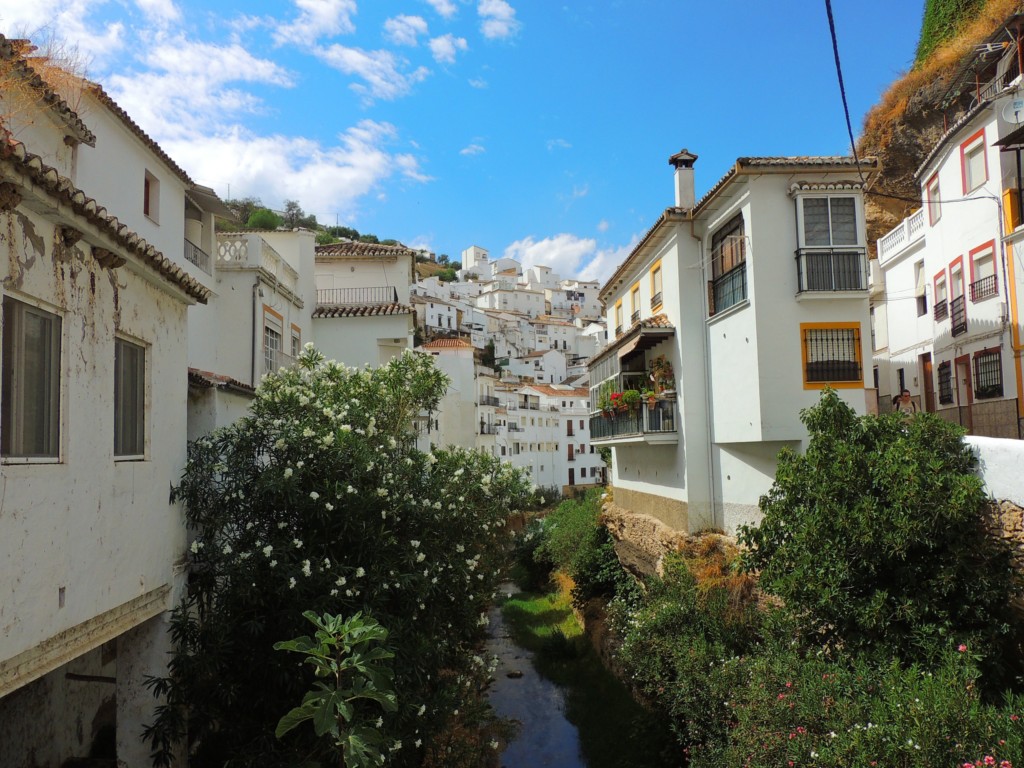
column 636, row 405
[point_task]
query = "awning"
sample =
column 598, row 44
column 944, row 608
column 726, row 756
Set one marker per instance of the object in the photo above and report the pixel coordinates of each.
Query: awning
column 1012, row 140
column 647, row 338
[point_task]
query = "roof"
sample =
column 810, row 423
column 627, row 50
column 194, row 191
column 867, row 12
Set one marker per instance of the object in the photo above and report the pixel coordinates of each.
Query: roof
column 104, row 98
column 744, row 166
column 14, row 51
column 352, row 249
column 556, row 391
column 360, row 310
column 15, row 156
column 208, row 380
column 641, row 335
column 454, row 343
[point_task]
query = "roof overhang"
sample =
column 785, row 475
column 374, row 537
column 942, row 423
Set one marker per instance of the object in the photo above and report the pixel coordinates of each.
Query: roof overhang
column 639, row 338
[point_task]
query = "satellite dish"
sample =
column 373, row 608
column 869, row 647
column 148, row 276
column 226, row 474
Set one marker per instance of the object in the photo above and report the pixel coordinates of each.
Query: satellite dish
column 1013, row 110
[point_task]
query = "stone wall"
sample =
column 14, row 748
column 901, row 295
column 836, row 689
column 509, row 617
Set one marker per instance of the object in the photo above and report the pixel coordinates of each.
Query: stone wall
column 673, row 513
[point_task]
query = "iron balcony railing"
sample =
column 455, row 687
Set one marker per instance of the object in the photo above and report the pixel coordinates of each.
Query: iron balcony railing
column 275, row 359
column 941, row 310
column 381, row 294
column 831, row 269
column 488, row 429
column 728, row 289
column 656, row 300
column 958, row 312
column 513, row 427
column 659, row 420
column 196, row 255
column 489, row 400
column 984, row 288
column 618, row 330
column 635, row 317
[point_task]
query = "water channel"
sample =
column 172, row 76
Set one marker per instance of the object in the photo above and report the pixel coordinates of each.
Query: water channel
column 613, row 730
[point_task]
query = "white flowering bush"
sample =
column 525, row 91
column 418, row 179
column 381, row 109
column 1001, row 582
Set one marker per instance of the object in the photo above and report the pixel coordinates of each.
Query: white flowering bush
column 319, row 501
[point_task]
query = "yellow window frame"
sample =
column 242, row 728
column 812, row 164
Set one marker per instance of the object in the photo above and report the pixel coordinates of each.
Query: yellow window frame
column 656, row 269
column 833, row 326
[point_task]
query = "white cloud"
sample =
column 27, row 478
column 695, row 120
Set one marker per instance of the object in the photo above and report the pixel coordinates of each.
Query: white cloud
column 446, row 47
column 63, row 20
column 404, row 30
column 380, row 70
column 324, row 179
column 497, row 19
column 472, row 149
column 317, row 18
column 569, row 255
column 478, row 82
column 159, row 11
column 602, row 225
column 445, row 8
column 554, row 144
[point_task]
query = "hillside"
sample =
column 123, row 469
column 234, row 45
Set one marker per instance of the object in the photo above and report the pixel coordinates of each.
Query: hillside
column 908, row 120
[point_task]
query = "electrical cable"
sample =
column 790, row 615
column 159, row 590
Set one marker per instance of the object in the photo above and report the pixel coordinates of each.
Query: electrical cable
column 842, row 89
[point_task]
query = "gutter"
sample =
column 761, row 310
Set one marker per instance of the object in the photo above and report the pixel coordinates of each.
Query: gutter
column 708, row 405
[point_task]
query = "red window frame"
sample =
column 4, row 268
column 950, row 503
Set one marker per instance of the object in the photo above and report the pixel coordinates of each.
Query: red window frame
column 990, row 245
column 928, row 198
column 963, row 158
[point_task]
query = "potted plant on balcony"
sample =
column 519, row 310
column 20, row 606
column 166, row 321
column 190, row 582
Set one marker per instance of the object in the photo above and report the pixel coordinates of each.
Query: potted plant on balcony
column 618, row 406
column 604, row 403
column 663, row 376
column 631, row 398
column 650, row 397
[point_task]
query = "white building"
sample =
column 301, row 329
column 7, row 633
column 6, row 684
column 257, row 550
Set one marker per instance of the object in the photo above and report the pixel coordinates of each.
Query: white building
column 363, row 312
column 947, row 308
column 751, row 334
column 92, row 428
column 436, row 316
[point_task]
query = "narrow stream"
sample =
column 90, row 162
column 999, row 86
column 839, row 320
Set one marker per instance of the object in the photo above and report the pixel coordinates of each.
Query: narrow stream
column 545, row 737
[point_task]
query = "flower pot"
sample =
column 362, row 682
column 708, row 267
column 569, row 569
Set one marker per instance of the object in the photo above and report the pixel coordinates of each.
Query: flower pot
column 651, row 403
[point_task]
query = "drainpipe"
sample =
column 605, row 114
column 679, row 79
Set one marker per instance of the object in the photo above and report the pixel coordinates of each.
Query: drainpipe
column 255, row 315
column 708, row 409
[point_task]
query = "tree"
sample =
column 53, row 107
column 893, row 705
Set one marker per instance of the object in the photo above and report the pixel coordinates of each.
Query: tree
column 293, row 213
column 346, row 232
column 324, row 237
column 455, row 265
column 443, row 259
column 875, row 538
column 318, row 501
column 447, row 275
column 368, row 238
column 263, row 218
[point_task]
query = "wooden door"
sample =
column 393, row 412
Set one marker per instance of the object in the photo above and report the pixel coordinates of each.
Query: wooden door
column 926, row 383
column 964, row 393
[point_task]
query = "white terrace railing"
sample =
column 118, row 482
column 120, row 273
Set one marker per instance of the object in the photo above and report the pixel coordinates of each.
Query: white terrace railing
column 906, row 233
column 250, row 251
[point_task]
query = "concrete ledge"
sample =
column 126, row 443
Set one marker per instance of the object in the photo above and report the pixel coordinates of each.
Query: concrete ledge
column 58, row 650
column 673, row 513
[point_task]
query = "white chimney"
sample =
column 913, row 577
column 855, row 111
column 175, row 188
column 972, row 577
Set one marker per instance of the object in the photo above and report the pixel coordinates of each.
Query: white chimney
column 683, row 162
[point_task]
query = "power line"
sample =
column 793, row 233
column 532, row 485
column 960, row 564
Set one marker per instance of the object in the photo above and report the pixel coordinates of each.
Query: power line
column 842, row 88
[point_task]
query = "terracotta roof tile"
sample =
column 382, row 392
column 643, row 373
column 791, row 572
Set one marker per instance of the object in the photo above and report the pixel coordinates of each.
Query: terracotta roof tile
column 351, row 248
column 555, row 392
column 448, row 344
column 208, row 380
column 360, row 310
column 15, row 156
column 15, row 51
column 657, row 321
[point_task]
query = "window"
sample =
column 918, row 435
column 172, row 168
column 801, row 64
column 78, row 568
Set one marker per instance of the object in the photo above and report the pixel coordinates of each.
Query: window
column 829, row 221
column 272, row 339
column 634, row 300
column 945, row 383
column 831, row 355
column 296, row 341
column 728, row 285
column 151, row 197
column 931, row 193
column 941, row 304
column 656, row 300
column 988, row 374
column 30, row 414
column 618, row 317
column 983, row 272
column 129, row 399
column 973, row 163
column 922, row 298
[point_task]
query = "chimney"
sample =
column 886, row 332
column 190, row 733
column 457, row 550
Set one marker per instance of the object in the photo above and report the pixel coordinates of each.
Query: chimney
column 683, row 162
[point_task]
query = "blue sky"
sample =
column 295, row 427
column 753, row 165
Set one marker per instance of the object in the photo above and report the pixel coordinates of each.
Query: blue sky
column 532, row 128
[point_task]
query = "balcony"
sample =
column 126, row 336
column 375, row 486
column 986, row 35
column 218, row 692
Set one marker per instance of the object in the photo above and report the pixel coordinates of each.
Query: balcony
column 635, row 317
column 513, row 427
column 196, row 255
column 729, row 289
column 242, row 250
column 618, row 330
column 377, row 295
column 489, row 400
column 656, row 300
column 941, row 310
column 831, row 270
column 488, row 429
column 958, row 312
column 275, row 359
column 907, row 233
column 641, row 426
column 984, row 288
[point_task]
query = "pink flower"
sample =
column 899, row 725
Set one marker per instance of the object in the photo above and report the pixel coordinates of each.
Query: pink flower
column 989, row 760
column 962, row 648
column 1005, row 764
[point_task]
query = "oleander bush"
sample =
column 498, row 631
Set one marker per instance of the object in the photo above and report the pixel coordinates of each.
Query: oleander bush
column 318, row 500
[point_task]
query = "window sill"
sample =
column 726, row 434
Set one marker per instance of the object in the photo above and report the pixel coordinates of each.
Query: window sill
column 741, row 305
column 20, row 460
column 119, row 459
column 859, row 293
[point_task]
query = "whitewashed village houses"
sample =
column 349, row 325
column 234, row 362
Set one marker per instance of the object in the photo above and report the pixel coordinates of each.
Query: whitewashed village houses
column 756, row 296
column 95, row 296
column 948, row 285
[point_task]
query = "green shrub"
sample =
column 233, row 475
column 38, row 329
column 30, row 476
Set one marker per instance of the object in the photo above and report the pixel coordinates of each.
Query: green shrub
column 318, row 500
column 264, row 218
column 875, row 539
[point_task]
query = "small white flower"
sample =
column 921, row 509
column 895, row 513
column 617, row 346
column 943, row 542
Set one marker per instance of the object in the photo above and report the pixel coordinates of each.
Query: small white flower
column 334, row 593
column 227, row 549
column 380, row 722
column 419, row 743
column 327, row 562
column 422, row 710
column 494, row 745
column 281, row 525
column 267, row 550
column 329, row 507
column 288, row 472
column 314, row 495
column 291, row 583
column 273, row 563
column 414, row 544
column 346, row 427
column 420, row 557
column 341, row 581
column 195, row 547
column 306, row 569
column 297, row 543
column 360, row 572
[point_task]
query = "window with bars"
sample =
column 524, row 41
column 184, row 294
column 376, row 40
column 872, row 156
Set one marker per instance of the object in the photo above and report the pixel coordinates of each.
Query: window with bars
column 728, row 285
column 946, row 383
column 988, row 374
column 831, row 355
